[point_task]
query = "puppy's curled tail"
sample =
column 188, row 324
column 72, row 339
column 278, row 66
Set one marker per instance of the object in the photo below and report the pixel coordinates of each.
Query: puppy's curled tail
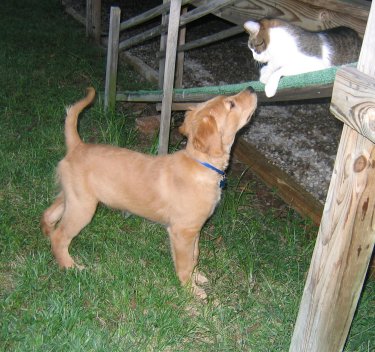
column 72, row 138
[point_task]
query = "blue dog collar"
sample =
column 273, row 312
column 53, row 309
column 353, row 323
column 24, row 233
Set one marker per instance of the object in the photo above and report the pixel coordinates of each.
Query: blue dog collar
column 223, row 180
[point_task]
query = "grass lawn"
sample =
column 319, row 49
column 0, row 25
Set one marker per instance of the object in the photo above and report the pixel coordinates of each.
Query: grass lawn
column 128, row 298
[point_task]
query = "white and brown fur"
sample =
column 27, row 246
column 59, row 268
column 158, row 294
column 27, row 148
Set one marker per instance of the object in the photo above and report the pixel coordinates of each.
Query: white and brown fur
column 287, row 49
column 174, row 190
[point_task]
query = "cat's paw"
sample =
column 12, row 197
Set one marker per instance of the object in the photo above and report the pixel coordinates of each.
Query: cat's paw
column 272, row 84
column 265, row 74
column 270, row 89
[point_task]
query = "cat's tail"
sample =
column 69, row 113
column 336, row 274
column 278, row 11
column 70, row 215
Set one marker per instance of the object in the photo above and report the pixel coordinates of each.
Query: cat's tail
column 72, row 138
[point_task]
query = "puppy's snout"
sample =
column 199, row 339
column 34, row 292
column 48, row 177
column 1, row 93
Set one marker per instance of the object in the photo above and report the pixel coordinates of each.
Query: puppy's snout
column 250, row 89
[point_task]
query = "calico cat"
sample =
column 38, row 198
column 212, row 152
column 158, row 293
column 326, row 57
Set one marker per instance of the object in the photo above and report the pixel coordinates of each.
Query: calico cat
column 287, row 49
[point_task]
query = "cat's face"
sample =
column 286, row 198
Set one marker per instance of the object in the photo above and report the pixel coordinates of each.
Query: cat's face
column 258, row 38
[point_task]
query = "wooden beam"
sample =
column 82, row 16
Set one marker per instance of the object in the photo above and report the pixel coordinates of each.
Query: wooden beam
column 286, row 187
column 170, row 61
column 207, row 8
column 112, row 59
column 353, row 100
column 70, row 11
column 289, row 94
column 149, row 15
column 162, row 47
column 93, row 19
column 180, row 55
column 346, row 235
column 140, row 66
column 142, row 37
column 183, row 20
column 311, row 15
column 227, row 33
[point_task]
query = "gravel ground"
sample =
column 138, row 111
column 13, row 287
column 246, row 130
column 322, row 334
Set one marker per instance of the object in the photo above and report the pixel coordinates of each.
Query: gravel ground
column 300, row 138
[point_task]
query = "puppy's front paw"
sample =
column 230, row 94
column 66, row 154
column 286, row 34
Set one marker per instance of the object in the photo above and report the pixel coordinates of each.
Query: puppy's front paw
column 69, row 263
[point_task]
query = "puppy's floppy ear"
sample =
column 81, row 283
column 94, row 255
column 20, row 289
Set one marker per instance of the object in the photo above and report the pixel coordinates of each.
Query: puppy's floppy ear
column 184, row 129
column 207, row 138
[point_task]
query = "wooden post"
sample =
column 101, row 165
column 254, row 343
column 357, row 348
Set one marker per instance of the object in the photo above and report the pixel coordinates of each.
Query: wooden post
column 347, row 232
column 93, row 19
column 163, row 44
column 112, row 59
column 180, row 55
column 170, row 61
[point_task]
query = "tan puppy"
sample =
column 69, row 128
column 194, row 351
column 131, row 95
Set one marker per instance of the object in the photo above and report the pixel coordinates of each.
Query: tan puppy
column 176, row 190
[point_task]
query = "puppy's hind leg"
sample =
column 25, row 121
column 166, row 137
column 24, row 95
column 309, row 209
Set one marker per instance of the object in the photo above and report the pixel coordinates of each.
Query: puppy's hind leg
column 76, row 216
column 52, row 215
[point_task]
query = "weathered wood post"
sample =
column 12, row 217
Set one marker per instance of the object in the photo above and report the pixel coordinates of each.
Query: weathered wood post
column 93, row 19
column 347, row 232
column 112, row 59
column 163, row 44
column 170, row 62
column 180, row 55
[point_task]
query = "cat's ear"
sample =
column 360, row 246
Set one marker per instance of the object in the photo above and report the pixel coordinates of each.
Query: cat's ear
column 252, row 27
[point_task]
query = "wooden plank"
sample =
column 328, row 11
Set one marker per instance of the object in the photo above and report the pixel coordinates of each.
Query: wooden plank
column 203, row 10
column 345, row 240
column 140, row 66
column 170, row 61
column 178, row 106
column 353, row 100
column 70, row 11
column 286, row 187
column 142, row 37
column 112, row 59
column 149, row 15
column 180, row 55
column 184, row 20
column 162, row 47
column 290, row 94
column 209, row 39
column 93, row 19
column 312, row 15
column 342, row 252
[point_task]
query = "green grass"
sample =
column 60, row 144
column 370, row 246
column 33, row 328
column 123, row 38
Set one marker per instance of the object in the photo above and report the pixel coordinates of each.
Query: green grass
column 128, row 298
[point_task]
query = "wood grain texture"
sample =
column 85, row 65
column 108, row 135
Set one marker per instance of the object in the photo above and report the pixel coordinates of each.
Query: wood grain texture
column 353, row 101
column 93, row 19
column 347, row 232
column 311, row 15
column 342, row 251
column 190, row 16
column 170, row 62
column 286, row 187
column 112, row 59
column 149, row 15
column 288, row 94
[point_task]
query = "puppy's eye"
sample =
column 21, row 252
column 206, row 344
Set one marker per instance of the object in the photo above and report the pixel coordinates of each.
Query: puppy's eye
column 259, row 44
column 231, row 104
